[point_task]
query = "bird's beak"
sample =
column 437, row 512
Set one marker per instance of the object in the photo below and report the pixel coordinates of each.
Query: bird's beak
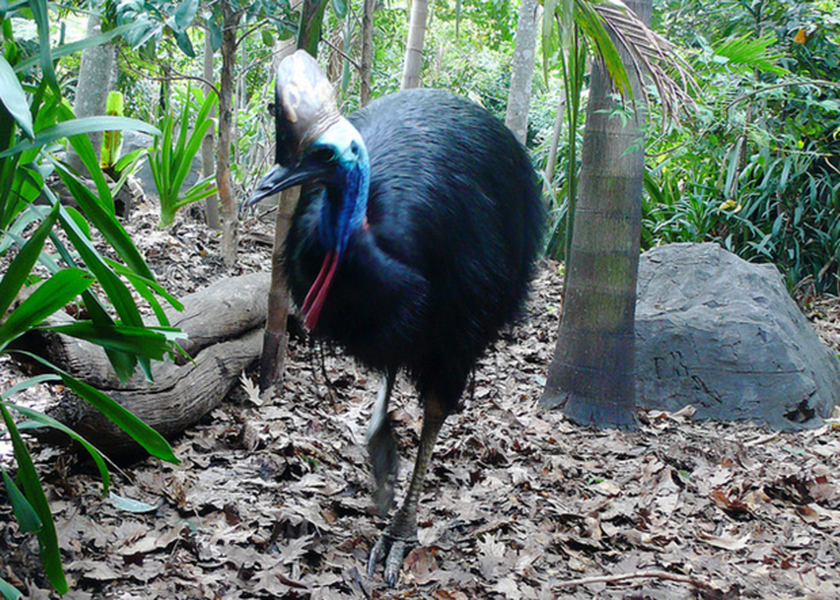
column 281, row 177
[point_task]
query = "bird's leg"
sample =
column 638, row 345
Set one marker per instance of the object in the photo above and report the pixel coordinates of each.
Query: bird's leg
column 382, row 448
column 401, row 533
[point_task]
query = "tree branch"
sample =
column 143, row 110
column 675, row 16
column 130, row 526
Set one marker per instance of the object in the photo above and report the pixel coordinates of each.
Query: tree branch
column 816, row 82
column 177, row 76
column 665, row 575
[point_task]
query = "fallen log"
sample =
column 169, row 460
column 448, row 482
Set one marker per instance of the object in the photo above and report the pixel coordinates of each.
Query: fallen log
column 224, row 325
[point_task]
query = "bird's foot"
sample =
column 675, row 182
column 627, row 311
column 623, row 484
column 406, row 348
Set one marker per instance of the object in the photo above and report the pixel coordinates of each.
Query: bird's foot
column 384, row 461
column 391, row 550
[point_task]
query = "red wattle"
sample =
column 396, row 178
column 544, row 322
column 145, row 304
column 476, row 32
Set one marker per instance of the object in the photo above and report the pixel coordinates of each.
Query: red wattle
column 314, row 300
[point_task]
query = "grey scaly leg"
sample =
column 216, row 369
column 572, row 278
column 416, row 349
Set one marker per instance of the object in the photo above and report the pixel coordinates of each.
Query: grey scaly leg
column 401, row 533
column 382, row 448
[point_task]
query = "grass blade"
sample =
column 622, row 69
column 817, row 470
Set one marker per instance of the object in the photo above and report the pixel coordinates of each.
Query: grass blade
column 21, row 266
column 28, row 478
column 48, row 298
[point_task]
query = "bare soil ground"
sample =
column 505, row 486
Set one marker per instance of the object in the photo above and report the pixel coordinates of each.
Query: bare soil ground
column 272, row 500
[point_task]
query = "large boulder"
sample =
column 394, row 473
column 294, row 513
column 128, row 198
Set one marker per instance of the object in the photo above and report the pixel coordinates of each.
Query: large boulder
column 724, row 335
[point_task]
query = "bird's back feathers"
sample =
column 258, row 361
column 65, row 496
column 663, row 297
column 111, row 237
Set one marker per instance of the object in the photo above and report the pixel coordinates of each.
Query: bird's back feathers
column 454, row 226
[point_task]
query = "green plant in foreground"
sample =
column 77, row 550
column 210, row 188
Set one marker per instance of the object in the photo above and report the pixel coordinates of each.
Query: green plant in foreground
column 112, row 140
column 172, row 158
column 757, row 172
column 34, row 119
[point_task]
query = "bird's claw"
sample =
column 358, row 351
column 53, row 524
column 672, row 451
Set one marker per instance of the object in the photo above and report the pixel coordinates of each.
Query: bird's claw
column 391, row 551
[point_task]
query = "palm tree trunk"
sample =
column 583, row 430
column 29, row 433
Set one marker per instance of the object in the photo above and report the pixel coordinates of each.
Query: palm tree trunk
column 592, row 375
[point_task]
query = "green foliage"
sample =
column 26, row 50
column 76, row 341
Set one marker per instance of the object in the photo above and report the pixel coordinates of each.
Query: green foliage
column 152, row 19
column 172, row 158
column 34, row 122
column 758, row 169
column 112, row 140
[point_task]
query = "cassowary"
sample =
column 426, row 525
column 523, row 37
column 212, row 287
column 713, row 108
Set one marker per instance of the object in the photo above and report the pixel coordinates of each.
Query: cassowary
column 412, row 244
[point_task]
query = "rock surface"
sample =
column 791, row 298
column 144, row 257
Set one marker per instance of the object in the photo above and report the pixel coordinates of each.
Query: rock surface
column 724, row 335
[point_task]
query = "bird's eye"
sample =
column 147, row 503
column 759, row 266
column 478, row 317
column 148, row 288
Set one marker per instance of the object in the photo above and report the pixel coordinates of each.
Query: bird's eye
column 323, row 154
column 354, row 148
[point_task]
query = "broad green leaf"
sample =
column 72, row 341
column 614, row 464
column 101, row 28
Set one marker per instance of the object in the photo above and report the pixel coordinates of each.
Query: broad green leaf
column 184, row 43
column 184, row 15
column 147, row 289
column 139, row 341
column 79, row 127
column 44, row 420
column 215, row 35
column 78, row 46
column 125, row 160
column 122, row 363
column 80, row 220
column 84, row 149
column 566, row 12
column 41, row 16
column 28, row 383
column 114, row 287
column 147, row 437
column 48, row 298
column 143, row 30
column 25, row 185
column 21, row 266
column 202, row 189
column 24, row 220
column 151, row 440
column 107, row 224
column 192, row 148
column 25, row 515
column 9, row 591
column 13, row 98
column 267, row 37
column 28, row 478
column 592, row 25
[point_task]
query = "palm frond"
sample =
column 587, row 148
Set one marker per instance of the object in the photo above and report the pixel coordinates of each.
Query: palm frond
column 750, row 53
column 649, row 54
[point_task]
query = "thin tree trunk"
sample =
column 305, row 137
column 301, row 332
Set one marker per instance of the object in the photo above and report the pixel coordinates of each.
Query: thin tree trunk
column 519, row 98
column 311, row 19
column 367, row 51
column 230, row 22
column 208, row 165
column 551, row 160
column 96, row 79
column 414, row 46
column 273, row 357
column 275, row 338
column 592, row 374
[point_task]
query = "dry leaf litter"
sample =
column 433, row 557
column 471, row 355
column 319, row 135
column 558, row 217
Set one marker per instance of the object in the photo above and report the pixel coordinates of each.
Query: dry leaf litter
column 272, row 499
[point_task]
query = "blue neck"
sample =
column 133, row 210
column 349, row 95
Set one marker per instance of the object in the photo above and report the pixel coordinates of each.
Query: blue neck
column 346, row 205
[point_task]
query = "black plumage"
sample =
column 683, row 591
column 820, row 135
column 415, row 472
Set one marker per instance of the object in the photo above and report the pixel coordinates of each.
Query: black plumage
column 412, row 245
column 453, row 227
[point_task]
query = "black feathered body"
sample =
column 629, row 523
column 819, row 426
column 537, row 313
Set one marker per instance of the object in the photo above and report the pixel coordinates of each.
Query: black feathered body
column 454, row 224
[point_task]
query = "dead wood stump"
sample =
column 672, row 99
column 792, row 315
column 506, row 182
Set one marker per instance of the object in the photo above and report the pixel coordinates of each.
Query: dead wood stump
column 224, row 324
